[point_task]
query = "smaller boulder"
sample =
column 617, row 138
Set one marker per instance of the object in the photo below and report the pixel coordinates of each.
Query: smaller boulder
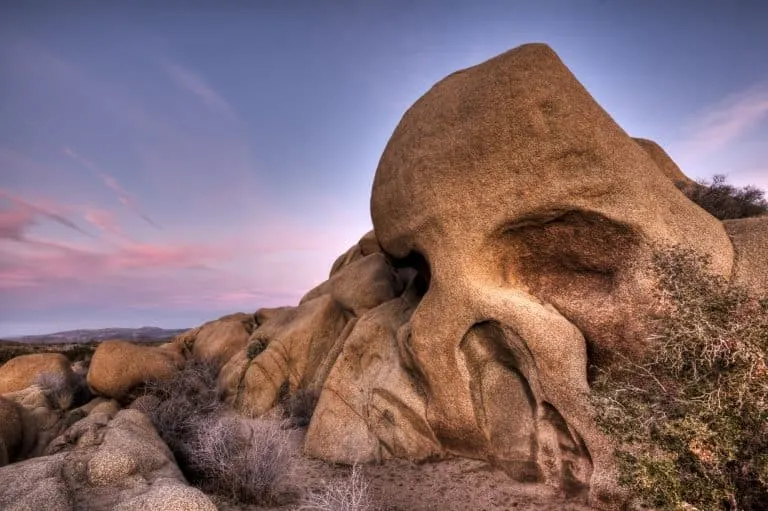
column 217, row 341
column 361, row 285
column 117, row 367
column 25, row 370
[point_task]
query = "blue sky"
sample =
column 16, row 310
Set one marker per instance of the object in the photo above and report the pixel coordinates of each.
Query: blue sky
column 166, row 165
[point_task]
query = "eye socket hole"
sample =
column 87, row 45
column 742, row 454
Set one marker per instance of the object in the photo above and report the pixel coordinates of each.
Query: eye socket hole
column 557, row 251
column 417, row 261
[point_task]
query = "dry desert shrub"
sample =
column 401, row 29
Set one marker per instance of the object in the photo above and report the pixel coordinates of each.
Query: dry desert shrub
column 220, row 453
column 691, row 419
column 182, row 403
column 240, row 459
column 351, row 494
column 725, row 201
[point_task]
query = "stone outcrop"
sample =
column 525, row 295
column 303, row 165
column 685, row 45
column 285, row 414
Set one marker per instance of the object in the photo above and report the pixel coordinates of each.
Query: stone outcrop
column 514, row 222
column 666, row 164
column 117, row 367
column 108, row 460
column 750, row 242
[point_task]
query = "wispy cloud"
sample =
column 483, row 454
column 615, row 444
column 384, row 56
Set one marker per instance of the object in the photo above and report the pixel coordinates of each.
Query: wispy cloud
column 125, row 198
column 23, row 214
column 195, row 84
column 725, row 122
column 104, row 221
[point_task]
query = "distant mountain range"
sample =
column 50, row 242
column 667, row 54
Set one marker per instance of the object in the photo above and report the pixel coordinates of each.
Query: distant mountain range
column 145, row 333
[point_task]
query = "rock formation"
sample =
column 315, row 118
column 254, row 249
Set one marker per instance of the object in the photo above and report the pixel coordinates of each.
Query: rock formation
column 514, row 221
column 108, row 460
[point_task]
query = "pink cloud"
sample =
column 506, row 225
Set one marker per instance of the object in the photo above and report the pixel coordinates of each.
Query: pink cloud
column 14, row 222
column 104, row 221
column 25, row 212
column 125, row 198
column 726, row 122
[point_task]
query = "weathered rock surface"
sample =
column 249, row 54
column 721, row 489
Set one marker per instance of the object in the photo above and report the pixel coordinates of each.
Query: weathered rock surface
column 666, row 164
column 25, row 370
column 750, row 241
column 117, row 367
column 296, row 347
column 361, row 285
column 108, row 460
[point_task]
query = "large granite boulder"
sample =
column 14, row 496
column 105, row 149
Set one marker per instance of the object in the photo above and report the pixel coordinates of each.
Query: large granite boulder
column 666, row 164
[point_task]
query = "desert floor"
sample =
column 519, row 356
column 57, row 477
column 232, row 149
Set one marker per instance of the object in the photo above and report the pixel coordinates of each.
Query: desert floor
column 397, row 485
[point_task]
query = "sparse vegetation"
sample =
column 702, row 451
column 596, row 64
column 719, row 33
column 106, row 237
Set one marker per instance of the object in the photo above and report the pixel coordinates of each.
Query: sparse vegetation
column 725, row 201
column 691, row 420
column 220, row 453
column 352, row 494
column 73, row 351
column 240, row 459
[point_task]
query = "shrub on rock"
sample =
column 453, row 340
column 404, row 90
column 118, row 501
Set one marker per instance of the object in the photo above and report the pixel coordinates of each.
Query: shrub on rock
column 691, row 419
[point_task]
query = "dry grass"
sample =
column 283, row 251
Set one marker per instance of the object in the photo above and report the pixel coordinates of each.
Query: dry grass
column 725, row 201
column 352, row 494
column 691, row 420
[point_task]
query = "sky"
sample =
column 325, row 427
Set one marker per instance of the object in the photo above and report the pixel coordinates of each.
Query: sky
column 165, row 163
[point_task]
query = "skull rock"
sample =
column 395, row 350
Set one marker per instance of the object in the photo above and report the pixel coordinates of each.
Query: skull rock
column 533, row 214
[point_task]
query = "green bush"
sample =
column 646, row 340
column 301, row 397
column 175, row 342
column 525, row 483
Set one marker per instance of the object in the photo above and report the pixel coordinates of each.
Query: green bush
column 725, row 201
column 691, row 419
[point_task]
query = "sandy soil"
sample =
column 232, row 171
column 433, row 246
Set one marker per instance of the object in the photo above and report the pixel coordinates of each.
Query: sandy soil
column 397, row 485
